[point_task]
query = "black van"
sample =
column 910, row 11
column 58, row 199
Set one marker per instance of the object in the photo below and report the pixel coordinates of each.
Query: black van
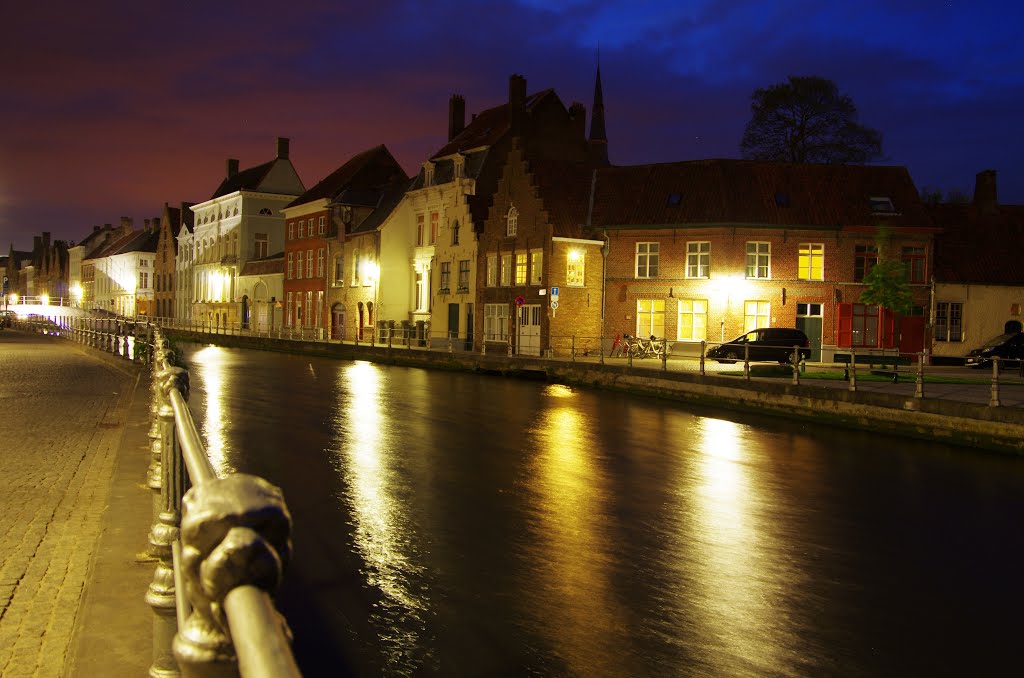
column 774, row 344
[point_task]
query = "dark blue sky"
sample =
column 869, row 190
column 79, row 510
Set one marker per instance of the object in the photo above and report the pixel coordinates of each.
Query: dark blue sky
column 113, row 108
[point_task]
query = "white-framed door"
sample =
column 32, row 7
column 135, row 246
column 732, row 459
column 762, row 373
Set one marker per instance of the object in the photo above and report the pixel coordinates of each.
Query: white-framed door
column 528, row 340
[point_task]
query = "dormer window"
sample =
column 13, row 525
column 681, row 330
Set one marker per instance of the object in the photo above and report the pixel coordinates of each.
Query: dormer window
column 674, row 199
column 428, row 174
column 459, row 166
column 881, row 204
column 513, row 220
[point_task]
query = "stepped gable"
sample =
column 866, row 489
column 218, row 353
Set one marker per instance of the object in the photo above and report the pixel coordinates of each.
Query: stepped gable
column 752, row 193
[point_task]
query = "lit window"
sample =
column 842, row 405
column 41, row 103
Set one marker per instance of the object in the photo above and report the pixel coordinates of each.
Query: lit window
column 647, row 258
column 756, row 314
column 512, row 218
column 650, row 317
column 506, row 270
column 811, row 262
column 575, row 269
column 521, row 268
column 536, row 267
column 759, row 257
column 693, row 320
column 698, row 259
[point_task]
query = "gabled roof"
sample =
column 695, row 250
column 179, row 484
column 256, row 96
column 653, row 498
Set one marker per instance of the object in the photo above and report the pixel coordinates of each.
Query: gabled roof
column 487, row 127
column 136, row 241
column 745, row 192
column 359, row 181
column 978, row 246
column 246, row 180
column 386, row 204
column 564, row 188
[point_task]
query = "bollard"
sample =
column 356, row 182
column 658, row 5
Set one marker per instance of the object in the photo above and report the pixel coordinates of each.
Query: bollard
column 703, row 348
column 602, row 349
column 853, row 370
column 572, row 348
column 746, row 362
column 919, row 379
column 796, row 365
column 993, row 400
column 664, row 354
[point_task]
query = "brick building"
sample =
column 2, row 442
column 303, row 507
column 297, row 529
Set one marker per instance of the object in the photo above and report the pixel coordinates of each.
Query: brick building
column 705, row 250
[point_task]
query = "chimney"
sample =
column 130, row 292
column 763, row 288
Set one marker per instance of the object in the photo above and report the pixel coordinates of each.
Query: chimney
column 578, row 115
column 232, row 167
column 516, row 102
column 127, row 225
column 985, row 196
column 46, row 239
column 456, row 115
column 516, row 91
column 145, row 224
column 37, row 243
column 95, row 229
column 282, row 148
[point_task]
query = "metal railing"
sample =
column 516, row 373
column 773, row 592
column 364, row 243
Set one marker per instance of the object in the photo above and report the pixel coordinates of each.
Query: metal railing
column 221, row 547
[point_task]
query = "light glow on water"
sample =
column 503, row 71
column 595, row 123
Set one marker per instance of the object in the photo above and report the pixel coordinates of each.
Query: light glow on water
column 212, row 363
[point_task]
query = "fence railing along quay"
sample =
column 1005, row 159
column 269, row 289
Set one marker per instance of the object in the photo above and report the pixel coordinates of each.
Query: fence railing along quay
column 221, row 543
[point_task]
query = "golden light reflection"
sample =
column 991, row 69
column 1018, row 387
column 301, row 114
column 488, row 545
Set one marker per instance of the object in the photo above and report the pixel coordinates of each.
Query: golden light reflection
column 381, row 524
column 735, row 566
column 572, row 537
column 211, row 362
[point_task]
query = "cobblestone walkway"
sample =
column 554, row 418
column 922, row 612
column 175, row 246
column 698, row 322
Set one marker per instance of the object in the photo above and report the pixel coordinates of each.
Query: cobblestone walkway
column 63, row 415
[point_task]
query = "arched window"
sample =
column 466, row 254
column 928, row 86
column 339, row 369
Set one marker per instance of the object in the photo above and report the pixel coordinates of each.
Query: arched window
column 513, row 220
column 265, row 212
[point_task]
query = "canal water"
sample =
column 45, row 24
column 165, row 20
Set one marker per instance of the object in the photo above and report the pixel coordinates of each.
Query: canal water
column 455, row 524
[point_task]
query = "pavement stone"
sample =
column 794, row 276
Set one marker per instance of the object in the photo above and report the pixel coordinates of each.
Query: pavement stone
column 65, row 410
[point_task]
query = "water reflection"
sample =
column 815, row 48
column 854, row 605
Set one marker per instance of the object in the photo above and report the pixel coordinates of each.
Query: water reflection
column 573, row 600
column 212, row 363
column 738, row 580
column 381, row 518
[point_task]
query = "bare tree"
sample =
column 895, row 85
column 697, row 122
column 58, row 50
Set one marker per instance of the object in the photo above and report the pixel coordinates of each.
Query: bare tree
column 807, row 120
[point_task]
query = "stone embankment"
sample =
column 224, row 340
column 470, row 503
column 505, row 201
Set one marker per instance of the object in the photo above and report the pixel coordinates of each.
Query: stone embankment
column 958, row 414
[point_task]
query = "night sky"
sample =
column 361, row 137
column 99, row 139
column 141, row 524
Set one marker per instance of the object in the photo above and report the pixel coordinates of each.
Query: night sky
column 112, row 108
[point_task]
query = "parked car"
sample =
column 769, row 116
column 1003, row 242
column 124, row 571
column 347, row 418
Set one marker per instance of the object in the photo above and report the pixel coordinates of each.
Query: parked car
column 774, row 344
column 1008, row 347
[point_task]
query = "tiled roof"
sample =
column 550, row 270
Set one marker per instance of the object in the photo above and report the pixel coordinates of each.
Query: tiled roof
column 136, row 241
column 487, row 127
column 359, row 181
column 271, row 265
column 754, row 193
column 979, row 246
column 247, row 179
column 564, row 188
column 386, row 204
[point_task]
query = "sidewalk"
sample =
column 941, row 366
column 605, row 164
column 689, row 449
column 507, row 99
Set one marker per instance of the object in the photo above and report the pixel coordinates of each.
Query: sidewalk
column 73, row 512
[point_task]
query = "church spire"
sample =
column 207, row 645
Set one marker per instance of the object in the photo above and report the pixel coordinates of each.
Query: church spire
column 598, row 137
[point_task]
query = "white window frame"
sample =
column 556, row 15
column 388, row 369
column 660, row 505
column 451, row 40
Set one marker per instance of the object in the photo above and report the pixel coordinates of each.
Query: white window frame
column 758, row 259
column 506, row 270
column 648, row 256
column 496, row 322
column 536, row 267
column 696, row 310
column 575, row 268
column 512, row 221
column 698, row 259
column 756, row 313
column 650, row 318
column 492, row 270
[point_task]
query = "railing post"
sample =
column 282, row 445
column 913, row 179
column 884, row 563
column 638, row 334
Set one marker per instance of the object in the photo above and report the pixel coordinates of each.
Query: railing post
column 993, row 400
column 703, row 350
column 796, row 365
column 236, row 531
column 572, row 348
column 601, row 345
column 117, row 338
column 664, row 354
column 165, row 531
column 746, row 362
